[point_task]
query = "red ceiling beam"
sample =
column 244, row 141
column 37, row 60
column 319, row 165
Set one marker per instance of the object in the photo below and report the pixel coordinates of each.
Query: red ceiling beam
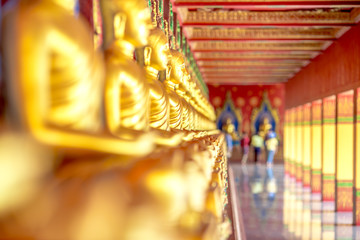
column 297, row 4
column 251, row 59
column 284, row 24
column 257, row 39
column 250, row 50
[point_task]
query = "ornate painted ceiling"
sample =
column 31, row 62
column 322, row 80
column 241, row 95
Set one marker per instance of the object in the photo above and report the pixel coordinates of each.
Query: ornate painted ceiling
column 261, row 42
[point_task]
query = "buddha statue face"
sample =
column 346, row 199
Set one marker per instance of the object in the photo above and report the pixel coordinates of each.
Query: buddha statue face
column 157, row 54
column 177, row 65
column 127, row 20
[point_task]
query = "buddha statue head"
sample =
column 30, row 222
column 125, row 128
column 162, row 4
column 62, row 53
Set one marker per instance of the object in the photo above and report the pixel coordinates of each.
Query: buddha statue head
column 157, row 52
column 177, row 65
column 125, row 20
column 67, row 4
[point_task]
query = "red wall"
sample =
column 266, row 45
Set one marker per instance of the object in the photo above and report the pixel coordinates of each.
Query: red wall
column 334, row 71
column 249, row 97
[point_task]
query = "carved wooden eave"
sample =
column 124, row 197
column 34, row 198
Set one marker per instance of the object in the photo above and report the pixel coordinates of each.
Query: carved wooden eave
column 206, row 56
column 289, row 63
column 284, row 18
column 261, row 41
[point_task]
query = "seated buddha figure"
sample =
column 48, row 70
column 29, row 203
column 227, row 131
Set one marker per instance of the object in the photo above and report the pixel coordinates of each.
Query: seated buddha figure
column 175, row 73
column 126, row 27
column 54, row 80
column 156, row 58
column 186, row 107
column 264, row 127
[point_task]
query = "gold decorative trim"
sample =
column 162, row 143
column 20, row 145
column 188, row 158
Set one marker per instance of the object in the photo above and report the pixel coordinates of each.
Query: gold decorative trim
column 254, row 55
column 263, row 45
column 273, row 112
column 266, row 17
column 262, row 33
column 292, row 63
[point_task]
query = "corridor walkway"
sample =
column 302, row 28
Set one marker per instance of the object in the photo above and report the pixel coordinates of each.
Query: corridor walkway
column 275, row 207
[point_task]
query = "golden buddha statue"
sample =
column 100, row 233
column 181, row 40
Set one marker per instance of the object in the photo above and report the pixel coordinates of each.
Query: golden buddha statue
column 126, row 26
column 175, row 73
column 54, row 79
column 156, row 57
column 264, row 127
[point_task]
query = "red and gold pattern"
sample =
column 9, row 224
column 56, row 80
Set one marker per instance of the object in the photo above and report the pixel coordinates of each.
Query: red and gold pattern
column 328, row 188
column 307, row 114
column 346, row 107
column 306, row 177
column 329, row 108
column 316, row 112
column 357, row 212
column 240, row 17
column 316, row 181
column 344, row 196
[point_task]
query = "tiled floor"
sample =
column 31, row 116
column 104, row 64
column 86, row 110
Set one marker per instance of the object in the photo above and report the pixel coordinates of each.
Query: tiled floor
column 275, row 207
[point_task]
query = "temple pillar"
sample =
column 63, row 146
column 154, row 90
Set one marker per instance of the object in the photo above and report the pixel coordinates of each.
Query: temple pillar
column 357, row 159
column 345, row 157
column 299, row 144
column 316, row 148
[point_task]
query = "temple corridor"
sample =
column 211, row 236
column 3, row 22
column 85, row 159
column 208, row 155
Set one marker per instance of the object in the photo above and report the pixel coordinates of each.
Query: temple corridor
column 274, row 206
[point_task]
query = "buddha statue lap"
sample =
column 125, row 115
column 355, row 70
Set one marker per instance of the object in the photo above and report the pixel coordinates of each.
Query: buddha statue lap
column 175, row 73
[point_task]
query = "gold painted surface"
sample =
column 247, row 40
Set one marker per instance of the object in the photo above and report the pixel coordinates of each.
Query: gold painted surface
column 261, row 33
column 263, row 45
column 269, row 17
column 254, row 55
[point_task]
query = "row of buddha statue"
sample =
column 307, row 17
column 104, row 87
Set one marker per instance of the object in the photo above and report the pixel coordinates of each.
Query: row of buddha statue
column 59, row 86
column 115, row 144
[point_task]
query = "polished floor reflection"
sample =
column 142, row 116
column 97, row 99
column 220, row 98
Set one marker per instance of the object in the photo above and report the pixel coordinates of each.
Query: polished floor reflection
column 274, row 207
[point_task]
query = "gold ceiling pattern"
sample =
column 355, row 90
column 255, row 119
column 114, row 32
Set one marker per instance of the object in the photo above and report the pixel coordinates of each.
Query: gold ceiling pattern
column 252, row 41
column 209, row 33
column 258, row 45
column 240, row 17
column 252, row 63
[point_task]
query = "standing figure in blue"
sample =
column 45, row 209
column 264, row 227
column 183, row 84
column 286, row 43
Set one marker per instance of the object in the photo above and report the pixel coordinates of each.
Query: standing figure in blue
column 271, row 146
